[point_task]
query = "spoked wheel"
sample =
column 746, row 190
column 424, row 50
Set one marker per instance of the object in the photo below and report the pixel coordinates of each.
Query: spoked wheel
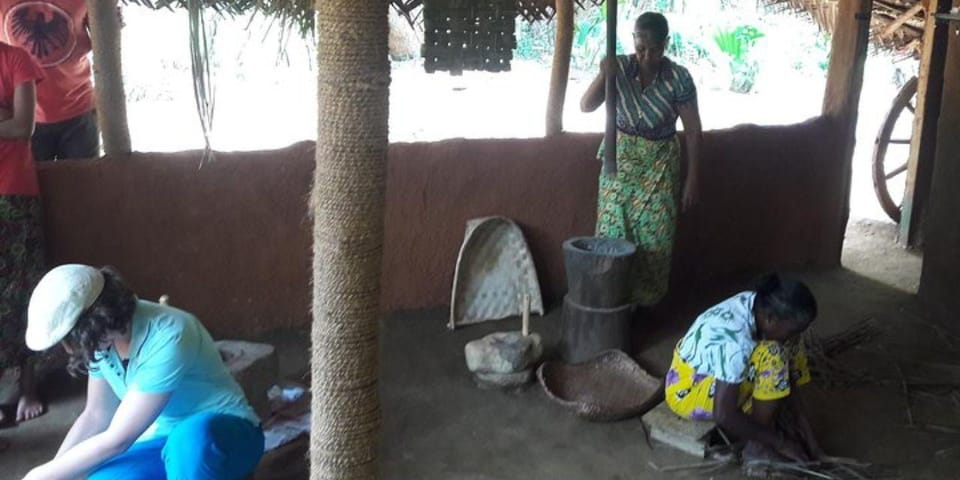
column 891, row 150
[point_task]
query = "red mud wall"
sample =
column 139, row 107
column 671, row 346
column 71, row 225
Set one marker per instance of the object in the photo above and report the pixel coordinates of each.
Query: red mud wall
column 230, row 240
column 941, row 228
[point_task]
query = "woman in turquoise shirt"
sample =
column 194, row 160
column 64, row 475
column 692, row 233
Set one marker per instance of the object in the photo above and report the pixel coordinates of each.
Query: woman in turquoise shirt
column 160, row 402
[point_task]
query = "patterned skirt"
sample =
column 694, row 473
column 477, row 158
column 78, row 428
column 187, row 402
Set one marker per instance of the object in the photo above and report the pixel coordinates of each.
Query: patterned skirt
column 773, row 368
column 21, row 266
column 639, row 204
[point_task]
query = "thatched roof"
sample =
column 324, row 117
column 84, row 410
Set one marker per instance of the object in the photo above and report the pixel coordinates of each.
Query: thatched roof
column 292, row 15
column 896, row 25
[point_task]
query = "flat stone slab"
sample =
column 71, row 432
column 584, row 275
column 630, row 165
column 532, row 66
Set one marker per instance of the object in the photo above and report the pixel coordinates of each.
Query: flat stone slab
column 685, row 435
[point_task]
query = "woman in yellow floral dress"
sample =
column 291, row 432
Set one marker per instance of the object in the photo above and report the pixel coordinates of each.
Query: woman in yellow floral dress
column 639, row 202
column 740, row 364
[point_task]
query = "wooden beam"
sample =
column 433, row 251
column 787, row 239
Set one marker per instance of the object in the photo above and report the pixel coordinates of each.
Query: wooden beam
column 108, row 77
column 563, row 46
column 610, row 135
column 901, row 19
column 923, row 145
column 941, row 230
column 844, row 82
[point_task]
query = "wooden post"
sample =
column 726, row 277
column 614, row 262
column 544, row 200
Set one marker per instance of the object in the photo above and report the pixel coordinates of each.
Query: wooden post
column 561, row 66
column 924, row 141
column 108, row 77
column 941, row 230
column 844, row 82
column 610, row 135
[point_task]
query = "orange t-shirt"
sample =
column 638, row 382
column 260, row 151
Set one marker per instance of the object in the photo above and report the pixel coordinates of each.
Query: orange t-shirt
column 17, row 174
column 54, row 33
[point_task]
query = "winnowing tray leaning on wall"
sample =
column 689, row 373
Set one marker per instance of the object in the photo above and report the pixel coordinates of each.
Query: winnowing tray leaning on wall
column 494, row 271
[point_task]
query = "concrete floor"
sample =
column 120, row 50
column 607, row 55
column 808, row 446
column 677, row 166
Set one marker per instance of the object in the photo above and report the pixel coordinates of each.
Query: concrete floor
column 438, row 425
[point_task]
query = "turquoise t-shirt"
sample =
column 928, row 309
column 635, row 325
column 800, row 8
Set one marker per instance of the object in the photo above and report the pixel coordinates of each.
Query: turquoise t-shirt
column 170, row 351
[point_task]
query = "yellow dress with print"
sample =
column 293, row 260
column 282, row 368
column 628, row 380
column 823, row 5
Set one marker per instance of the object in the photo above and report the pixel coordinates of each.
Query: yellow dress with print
column 772, row 369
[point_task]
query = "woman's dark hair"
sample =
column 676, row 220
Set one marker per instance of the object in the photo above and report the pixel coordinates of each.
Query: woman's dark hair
column 111, row 312
column 655, row 24
column 785, row 299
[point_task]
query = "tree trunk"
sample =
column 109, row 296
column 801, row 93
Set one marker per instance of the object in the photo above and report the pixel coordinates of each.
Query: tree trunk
column 561, row 67
column 347, row 204
column 108, row 77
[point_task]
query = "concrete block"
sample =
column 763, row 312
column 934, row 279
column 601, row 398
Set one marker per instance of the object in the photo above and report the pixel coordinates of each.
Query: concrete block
column 685, row 435
column 255, row 367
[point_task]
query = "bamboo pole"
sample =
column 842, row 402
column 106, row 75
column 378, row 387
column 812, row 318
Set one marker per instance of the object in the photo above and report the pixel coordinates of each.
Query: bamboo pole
column 560, row 73
column 610, row 136
column 901, row 19
column 108, row 77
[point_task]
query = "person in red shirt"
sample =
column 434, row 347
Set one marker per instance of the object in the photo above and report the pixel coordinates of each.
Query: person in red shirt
column 56, row 34
column 21, row 235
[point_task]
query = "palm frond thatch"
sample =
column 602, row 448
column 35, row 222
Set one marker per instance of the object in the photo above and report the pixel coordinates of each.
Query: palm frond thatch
column 894, row 25
column 291, row 15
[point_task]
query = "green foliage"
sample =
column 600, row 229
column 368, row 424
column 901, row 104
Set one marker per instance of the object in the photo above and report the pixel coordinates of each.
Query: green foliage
column 813, row 55
column 823, row 48
column 535, row 41
column 589, row 35
column 738, row 41
column 736, row 44
column 686, row 49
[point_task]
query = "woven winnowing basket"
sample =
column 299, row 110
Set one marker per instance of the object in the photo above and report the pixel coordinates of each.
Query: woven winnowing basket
column 468, row 35
column 494, row 271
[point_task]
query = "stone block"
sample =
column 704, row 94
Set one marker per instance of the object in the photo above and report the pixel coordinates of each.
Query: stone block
column 503, row 353
column 503, row 380
column 685, row 435
column 255, row 367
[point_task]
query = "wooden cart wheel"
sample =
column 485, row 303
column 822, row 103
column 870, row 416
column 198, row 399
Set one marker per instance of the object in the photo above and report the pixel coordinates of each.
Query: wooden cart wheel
column 890, row 164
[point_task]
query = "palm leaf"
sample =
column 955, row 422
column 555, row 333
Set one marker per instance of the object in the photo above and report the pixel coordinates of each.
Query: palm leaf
column 201, row 50
column 291, row 15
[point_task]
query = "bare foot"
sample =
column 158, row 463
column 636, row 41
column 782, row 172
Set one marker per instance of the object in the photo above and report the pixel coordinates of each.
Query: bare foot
column 29, row 407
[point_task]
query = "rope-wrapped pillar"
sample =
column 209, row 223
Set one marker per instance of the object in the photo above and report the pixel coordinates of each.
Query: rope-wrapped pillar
column 347, row 204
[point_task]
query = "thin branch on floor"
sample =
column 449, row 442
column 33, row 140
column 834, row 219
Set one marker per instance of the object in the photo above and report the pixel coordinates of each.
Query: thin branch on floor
column 710, row 464
column 932, row 427
column 822, row 350
column 906, row 393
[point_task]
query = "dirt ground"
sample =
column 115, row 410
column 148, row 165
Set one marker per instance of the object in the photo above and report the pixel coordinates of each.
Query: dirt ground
column 438, row 425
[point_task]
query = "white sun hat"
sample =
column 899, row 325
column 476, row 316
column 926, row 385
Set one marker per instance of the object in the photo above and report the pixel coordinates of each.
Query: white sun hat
column 57, row 302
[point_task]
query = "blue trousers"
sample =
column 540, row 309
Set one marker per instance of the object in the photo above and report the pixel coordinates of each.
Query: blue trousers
column 202, row 447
